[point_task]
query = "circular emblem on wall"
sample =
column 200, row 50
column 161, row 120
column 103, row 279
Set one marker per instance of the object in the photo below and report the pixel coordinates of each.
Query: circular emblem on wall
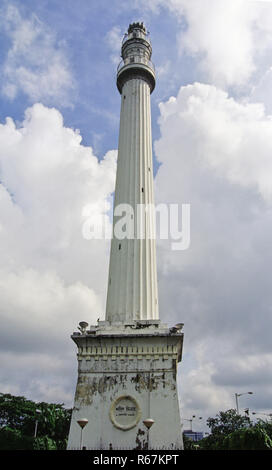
column 125, row 412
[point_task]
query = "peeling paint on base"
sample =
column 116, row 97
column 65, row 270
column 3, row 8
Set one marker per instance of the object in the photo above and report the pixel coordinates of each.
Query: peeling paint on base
column 142, row 366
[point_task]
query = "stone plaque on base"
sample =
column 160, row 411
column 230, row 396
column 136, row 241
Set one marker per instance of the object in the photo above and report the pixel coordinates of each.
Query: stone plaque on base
column 125, row 412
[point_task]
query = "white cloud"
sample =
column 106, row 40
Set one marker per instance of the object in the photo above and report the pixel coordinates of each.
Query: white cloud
column 43, row 305
column 232, row 138
column 229, row 38
column 114, row 39
column 215, row 154
column 222, row 33
column 262, row 91
column 36, row 63
column 50, row 277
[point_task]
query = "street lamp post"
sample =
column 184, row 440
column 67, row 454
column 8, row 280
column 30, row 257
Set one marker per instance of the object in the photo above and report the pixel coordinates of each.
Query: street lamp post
column 191, row 421
column 239, row 395
column 148, row 423
column 82, row 423
column 36, row 423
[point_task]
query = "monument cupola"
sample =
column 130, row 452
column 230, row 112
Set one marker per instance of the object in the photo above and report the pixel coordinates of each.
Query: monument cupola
column 136, row 54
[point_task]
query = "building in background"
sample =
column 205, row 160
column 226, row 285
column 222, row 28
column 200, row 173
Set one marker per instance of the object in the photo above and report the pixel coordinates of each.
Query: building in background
column 194, row 436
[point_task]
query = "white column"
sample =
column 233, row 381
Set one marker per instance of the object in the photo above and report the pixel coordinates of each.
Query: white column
column 132, row 283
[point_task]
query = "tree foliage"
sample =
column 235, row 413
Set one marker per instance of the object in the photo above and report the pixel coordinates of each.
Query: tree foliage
column 226, row 422
column 252, row 438
column 18, row 417
column 189, row 444
column 231, row 431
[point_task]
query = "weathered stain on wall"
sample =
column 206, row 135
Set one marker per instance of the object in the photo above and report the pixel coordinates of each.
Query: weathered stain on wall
column 89, row 385
column 141, row 367
column 141, row 443
column 151, row 381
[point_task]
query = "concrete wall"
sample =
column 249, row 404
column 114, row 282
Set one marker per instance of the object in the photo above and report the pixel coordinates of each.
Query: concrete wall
column 138, row 371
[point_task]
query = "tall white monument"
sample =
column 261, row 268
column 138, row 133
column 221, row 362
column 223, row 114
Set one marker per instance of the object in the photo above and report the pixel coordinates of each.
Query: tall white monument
column 127, row 364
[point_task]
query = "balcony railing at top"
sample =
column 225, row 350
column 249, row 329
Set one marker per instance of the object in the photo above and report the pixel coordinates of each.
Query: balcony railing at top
column 136, row 60
column 136, row 34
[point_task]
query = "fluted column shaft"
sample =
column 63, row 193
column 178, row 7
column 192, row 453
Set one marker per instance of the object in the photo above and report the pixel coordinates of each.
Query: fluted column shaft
column 132, row 284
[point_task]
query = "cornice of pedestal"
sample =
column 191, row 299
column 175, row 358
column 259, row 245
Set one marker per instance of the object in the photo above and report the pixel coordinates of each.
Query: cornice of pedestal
column 128, row 352
column 131, row 328
column 137, row 338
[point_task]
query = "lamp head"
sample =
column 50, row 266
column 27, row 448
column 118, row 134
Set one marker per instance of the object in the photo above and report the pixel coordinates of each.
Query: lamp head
column 82, row 422
column 148, row 422
column 83, row 326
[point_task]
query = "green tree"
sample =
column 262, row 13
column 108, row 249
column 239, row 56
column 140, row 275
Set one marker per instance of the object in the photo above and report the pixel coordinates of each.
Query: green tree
column 53, row 420
column 14, row 411
column 231, row 431
column 253, row 438
column 12, row 439
column 188, row 443
column 226, row 422
column 17, row 421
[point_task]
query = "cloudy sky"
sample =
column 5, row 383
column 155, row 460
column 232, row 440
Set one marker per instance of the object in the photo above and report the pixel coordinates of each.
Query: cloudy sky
column 212, row 133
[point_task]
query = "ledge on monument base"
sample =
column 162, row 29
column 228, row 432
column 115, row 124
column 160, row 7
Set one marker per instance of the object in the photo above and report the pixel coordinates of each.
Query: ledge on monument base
column 130, row 327
column 124, row 379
